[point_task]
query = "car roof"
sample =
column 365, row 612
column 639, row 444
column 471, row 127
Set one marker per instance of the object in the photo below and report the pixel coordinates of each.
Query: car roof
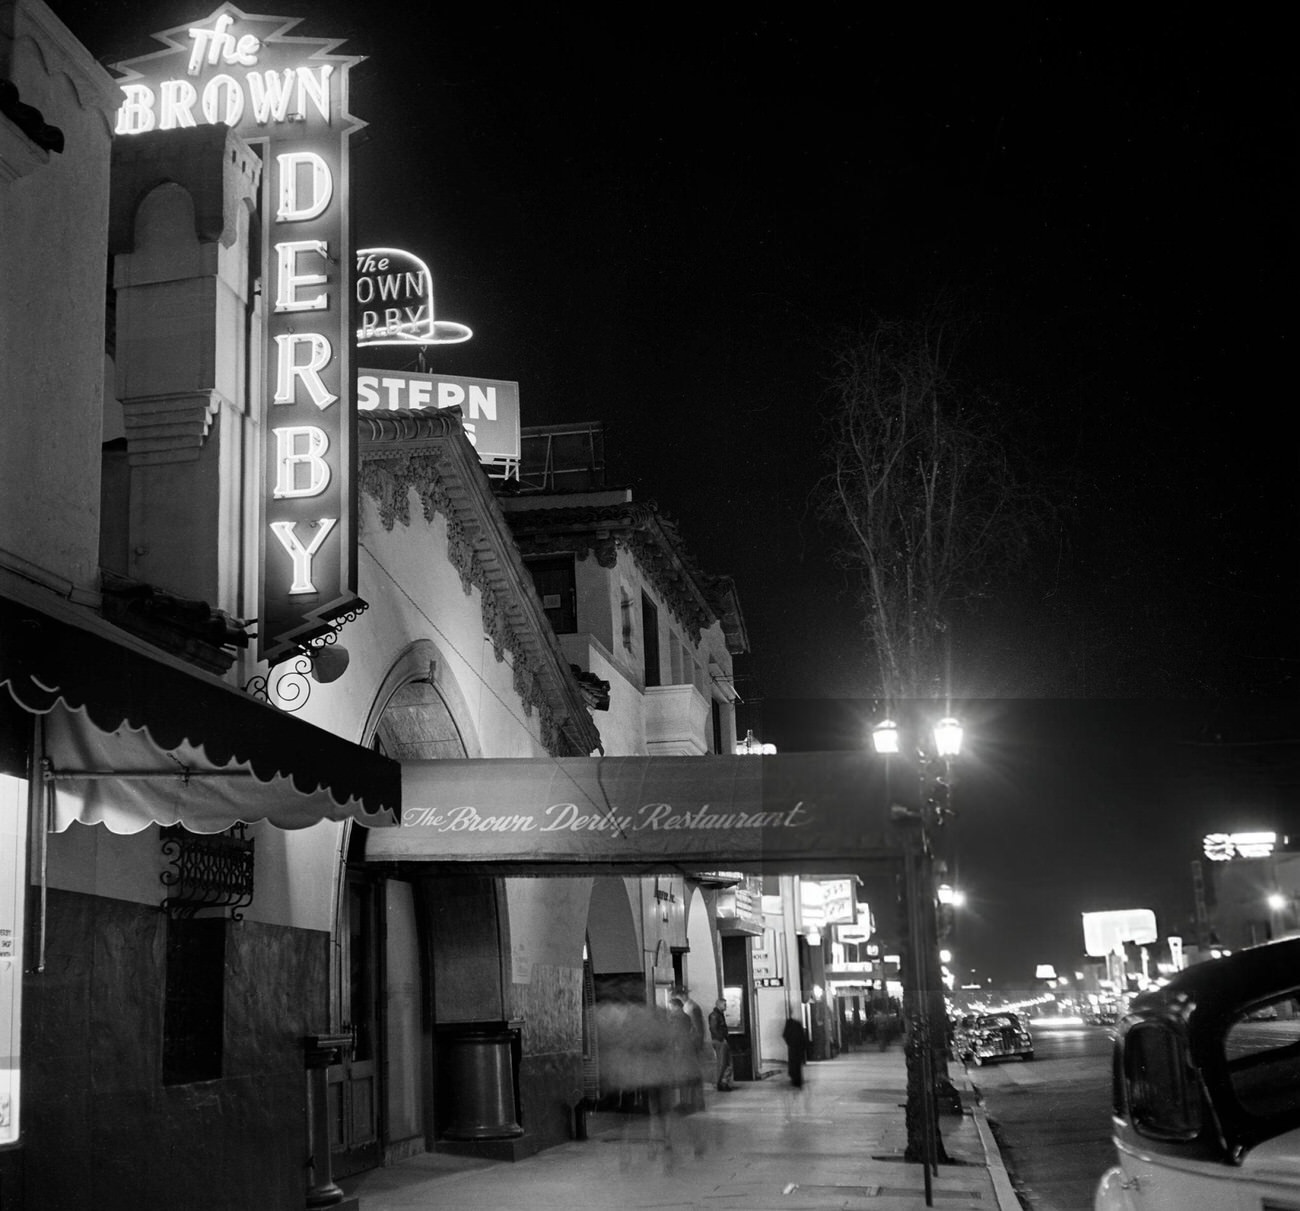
column 1205, row 993
column 1202, row 1002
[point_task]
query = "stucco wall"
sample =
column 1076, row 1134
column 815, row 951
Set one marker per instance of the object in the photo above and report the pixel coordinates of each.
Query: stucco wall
column 93, row 1031
column 54, row 222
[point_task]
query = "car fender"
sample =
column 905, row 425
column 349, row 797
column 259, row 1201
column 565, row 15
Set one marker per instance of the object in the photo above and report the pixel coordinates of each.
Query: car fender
column 1113, row 1192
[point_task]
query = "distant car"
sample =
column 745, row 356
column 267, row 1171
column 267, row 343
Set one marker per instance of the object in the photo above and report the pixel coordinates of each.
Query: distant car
column 993, row 1036
column 1206, row 1090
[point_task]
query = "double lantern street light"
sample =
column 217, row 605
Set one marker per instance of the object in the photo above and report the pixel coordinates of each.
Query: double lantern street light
column 920, row 895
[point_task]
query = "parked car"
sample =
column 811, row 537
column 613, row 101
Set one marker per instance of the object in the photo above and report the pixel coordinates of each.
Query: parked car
column 992, row 1036
column 1206, row 1090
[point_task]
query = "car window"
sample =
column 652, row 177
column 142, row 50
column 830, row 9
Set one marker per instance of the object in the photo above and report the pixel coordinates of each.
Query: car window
column 1262, row 1050
column 1162, row 1095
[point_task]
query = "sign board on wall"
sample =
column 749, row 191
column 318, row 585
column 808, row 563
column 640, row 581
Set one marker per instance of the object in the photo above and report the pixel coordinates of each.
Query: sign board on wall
column 490, row 406
column 289, row 94
column 840, row 900
column 13, row 899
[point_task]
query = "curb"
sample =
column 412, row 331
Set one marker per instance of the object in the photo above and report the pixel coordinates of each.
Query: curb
column 1003, row 1190
column 1002, row 1187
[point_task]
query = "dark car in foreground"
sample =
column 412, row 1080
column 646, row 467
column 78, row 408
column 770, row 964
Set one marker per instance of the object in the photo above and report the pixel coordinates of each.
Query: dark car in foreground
column 1206, row 1089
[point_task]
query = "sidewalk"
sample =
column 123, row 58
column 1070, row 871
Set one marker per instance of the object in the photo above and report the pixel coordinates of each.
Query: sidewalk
column 756, row 1149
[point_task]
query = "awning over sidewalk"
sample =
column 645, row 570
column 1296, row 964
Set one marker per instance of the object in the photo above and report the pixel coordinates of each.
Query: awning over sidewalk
column 805, row 812
column 135, row 741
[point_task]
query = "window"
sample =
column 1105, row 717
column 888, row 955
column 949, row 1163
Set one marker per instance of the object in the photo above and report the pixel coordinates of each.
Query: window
column 650, row 639
column 1262, row 1050
column 557, row 587
column 194, row 1009
column 626, row 608
column 1163, row 1094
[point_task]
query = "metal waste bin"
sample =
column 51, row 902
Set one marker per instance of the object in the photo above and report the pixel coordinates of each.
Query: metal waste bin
column 480, row 1079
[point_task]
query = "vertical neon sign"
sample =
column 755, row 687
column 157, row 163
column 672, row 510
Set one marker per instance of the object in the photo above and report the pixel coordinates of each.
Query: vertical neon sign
column 290, row 95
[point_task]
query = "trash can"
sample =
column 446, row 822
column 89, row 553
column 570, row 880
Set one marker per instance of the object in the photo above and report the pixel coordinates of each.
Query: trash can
column 480, row 1077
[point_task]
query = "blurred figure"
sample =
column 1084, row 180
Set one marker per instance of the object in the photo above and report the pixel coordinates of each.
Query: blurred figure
column 885, row 1027
column 723, row 1076
column 796, row 1052
column 646, row 1057
column 694, row 1089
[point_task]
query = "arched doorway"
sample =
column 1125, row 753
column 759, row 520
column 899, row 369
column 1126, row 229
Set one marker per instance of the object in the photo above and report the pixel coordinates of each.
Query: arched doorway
column 381, row 1096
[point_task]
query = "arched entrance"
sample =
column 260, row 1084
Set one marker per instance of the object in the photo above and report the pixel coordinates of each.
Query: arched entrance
column 381, row 1096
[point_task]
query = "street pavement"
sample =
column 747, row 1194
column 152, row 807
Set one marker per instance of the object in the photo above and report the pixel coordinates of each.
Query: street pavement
column 839, row 1144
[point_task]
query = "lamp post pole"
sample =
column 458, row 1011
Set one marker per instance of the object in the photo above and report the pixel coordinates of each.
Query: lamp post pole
column 928, row 1080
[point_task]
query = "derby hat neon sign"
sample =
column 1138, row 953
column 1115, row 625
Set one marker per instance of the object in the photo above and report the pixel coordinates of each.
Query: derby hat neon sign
column 394, row 292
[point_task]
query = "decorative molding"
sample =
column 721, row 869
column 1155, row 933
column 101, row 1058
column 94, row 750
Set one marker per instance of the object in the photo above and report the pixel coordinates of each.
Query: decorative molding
column 411, row 452
column 168, row 428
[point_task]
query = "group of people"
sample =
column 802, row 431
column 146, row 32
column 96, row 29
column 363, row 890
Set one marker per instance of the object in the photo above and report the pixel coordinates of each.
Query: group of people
column 662, row 1056
column 667, row 1052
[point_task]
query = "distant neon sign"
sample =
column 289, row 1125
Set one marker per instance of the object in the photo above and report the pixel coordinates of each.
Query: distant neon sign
column 394, row 293
column 1223, row 847
column 289, row 94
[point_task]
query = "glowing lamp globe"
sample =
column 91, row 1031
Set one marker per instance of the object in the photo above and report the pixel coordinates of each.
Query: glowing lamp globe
column 947, row 737
column 884, row 736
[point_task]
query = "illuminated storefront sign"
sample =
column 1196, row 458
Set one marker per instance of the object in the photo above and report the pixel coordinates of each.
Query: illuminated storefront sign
column 489, row 406
column 1221, row 847
column 394, row 293
column 290, row 95
column 13, row 896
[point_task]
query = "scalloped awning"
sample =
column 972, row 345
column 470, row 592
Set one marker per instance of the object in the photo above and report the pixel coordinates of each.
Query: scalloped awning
column 155, row 744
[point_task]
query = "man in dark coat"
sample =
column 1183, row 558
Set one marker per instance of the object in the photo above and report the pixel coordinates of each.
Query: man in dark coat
column 796, row 1047
column 723, row 1075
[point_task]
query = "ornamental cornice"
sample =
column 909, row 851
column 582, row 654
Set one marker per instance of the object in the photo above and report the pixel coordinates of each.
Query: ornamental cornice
column 425, row 453
column 640, row 529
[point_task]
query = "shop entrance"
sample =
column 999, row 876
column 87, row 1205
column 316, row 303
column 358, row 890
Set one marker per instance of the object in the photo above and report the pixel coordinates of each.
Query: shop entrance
column 354, row 1099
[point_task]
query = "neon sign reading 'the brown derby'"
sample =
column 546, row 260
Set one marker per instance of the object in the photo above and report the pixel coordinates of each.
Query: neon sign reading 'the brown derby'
column 289, row 94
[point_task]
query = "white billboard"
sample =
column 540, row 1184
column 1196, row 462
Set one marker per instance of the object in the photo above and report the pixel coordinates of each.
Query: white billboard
column 489, row 406
column 1106, row 932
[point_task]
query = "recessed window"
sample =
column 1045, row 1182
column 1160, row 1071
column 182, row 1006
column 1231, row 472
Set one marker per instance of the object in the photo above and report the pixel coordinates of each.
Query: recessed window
column 650, row 639
column 557, row 587
column 194, row 1015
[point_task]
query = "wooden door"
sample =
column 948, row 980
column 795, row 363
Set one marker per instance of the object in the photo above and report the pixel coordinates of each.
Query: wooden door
column 354, row 1085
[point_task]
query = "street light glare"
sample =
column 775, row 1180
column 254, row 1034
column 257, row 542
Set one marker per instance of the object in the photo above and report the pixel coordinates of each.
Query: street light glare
column 884, row 736
column 947, row 737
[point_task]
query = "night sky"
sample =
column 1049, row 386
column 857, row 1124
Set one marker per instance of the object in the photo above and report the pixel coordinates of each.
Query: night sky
column 670, row 227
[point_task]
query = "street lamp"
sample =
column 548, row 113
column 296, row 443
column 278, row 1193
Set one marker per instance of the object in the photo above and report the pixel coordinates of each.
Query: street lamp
column 750, row 746
column 950, row 896
column 920, row 894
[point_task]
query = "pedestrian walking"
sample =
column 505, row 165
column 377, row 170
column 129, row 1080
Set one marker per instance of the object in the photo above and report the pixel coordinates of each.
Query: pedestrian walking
column 796, row 1049
column 723, row 1075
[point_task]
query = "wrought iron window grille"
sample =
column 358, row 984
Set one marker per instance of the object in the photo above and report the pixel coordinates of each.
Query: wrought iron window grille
column 207, row 871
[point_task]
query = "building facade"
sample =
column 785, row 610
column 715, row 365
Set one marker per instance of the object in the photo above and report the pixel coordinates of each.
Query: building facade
column 215, row 975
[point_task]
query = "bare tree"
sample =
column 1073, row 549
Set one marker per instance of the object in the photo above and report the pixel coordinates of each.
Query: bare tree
column 932, row 514
column 925, row 495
